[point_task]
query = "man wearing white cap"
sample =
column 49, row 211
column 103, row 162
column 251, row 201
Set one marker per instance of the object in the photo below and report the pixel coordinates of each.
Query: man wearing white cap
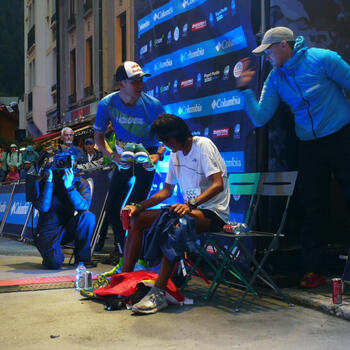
column 312, row 82
column 131, row 112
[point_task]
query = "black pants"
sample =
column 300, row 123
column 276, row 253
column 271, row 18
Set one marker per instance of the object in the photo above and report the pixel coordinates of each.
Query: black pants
column 118, row 192
column 318, row 159
column 48, row 239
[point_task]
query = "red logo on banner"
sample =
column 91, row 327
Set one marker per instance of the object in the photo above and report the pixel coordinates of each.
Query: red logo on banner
column 221, row 132
column 186, row 83
column 198, row 25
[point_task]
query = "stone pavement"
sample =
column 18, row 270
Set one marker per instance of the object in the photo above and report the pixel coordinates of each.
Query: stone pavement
column 19, row 260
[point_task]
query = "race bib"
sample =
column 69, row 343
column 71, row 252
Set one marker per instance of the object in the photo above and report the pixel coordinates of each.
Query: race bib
column 191, row 193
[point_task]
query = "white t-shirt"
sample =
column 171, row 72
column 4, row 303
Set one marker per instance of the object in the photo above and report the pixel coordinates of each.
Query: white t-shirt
column 192, row 173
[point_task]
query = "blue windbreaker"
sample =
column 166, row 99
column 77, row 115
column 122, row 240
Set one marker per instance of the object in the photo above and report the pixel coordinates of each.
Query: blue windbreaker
column 312, row 83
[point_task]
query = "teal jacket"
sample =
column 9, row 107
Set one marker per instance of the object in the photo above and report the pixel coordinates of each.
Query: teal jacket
column 312, row 83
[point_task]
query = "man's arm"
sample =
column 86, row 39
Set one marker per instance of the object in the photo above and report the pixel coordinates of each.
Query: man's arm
column 157, row 198
column 43, row 202
column 216, row 187
column 259, row 112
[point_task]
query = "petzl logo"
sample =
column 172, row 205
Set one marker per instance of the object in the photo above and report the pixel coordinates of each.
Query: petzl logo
column 186, row 83
column 234, row 161
column 198, row 25
column 219, row 133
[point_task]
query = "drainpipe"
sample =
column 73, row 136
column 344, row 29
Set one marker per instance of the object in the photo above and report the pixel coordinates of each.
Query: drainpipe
column 100, row 63
column 58, row 80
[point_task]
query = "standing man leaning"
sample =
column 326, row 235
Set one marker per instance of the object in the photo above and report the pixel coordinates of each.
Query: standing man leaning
column 312, row 82
column 131, row 112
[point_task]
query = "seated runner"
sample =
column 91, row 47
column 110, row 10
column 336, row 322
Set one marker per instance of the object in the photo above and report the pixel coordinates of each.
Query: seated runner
column 197, row 166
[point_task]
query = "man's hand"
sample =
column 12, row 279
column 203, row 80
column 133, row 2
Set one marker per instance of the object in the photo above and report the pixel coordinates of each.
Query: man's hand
column 48, row 175
column 246, row 75
column 180, row 209
column 115, row 158
column 133, row 210
column 68, row 178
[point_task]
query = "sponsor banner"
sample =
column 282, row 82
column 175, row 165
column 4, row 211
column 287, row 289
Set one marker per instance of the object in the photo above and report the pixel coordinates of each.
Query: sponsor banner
column 216, row 104
column 234, row 161
column 231, row 41
column 19, row 209
column 4, row 201
column 165, row 13
column 193, row 50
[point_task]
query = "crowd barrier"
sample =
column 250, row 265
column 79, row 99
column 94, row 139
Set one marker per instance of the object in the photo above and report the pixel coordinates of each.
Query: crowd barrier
column 19, row 218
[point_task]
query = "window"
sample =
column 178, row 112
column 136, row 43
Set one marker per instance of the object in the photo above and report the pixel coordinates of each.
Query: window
column 121, row 39
column 72, row 75
column 88, row 67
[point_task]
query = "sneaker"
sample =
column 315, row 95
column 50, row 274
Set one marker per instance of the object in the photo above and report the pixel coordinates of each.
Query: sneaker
column 155, row 300
column 312, row 280
column 141, row 155
column 129, row 153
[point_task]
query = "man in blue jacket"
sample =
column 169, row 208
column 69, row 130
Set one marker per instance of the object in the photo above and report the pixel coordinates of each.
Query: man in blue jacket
column 312, row 82
column 63, row 201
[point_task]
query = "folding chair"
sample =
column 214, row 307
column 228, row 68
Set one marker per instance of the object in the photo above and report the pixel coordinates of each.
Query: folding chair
column 272, row 185
column 220, row 259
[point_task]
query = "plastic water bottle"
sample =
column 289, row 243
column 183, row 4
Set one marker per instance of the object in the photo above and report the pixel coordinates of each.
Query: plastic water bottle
column 80, row 274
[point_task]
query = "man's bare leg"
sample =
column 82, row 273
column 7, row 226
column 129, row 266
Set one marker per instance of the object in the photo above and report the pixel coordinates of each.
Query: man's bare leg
column 133, row 244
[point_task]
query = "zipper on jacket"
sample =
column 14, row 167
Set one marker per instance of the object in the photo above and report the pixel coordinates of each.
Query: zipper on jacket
column 307, row 102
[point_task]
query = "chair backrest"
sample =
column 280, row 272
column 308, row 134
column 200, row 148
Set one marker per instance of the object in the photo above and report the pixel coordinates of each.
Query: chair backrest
column 244, row 184
column 276, row 184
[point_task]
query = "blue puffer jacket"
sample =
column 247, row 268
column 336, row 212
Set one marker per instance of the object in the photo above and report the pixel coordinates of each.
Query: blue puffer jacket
column 312, row 83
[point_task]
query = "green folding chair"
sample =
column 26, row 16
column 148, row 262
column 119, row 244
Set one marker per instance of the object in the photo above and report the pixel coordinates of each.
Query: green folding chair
column 220, row 258
column 280, row 184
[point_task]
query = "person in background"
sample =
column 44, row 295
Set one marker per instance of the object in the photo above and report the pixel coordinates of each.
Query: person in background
column 14, row 157
column 30, row 155
column 2, row 173
column 67, row 137
column 3, row 156
column 26, row 166
column 13, row 174
column 131, row 112
column 312, row 82
column 63, row 201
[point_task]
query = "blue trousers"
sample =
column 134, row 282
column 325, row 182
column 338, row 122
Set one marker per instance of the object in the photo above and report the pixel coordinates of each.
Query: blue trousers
column 48, row 239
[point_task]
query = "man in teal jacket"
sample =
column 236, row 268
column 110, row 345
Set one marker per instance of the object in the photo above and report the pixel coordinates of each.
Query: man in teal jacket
column 312, row 82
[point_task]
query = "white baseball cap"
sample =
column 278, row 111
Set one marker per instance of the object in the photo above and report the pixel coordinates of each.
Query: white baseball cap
column 273, row 36
column 130, row 70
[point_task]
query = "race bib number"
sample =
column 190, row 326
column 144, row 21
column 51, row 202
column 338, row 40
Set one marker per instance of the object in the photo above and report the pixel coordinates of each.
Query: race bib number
column 191, row 193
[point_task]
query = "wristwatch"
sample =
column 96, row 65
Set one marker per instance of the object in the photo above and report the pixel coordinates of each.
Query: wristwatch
column 192, row 203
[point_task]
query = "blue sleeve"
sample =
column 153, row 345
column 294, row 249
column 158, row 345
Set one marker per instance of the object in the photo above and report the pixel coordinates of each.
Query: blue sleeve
column 43, row 202
column 261, row 112
column 80, row 195
column 102, row 117
column 336, row 68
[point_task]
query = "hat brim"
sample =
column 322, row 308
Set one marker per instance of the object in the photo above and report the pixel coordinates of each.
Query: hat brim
column 139, row 76
column 261, row 49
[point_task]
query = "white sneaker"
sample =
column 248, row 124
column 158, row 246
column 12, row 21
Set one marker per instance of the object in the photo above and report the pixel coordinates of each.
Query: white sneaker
column 153, row 301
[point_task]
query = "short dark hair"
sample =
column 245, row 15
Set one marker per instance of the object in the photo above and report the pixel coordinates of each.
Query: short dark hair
column 291, row 44
column 168, row 126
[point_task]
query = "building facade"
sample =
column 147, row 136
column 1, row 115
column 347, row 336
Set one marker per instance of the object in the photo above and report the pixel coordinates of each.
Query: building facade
column 72, row 50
